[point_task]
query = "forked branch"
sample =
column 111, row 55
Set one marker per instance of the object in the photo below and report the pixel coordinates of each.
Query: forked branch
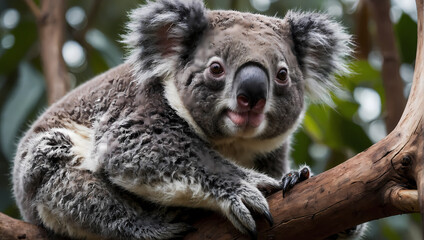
column 51, row 28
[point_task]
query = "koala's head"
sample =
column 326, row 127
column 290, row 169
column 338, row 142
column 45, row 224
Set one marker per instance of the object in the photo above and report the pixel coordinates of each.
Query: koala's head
column 236, row 75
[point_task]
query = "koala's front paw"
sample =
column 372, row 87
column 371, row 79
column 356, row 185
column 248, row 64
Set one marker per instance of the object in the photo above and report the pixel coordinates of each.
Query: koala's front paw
column 264, row 183
column 236, row 207
column 294, row 177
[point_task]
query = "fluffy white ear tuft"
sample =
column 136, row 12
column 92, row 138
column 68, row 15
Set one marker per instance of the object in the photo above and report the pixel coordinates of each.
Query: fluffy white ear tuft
column 162, row 36
column 321, row 46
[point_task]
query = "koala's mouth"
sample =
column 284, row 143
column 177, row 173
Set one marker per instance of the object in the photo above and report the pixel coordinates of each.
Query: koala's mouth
column 248, row 118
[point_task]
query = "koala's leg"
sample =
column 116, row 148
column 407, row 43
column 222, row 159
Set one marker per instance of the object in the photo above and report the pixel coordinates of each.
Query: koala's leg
column 173, row 169
column 75, row 202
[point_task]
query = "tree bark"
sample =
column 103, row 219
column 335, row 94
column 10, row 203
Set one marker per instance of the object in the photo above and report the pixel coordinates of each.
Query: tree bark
column 362, row 35
column 14, row 229
column 376, row 183
column 51, row 26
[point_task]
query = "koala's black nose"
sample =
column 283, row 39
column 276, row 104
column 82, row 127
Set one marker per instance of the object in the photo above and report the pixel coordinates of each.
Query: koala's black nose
column 251, row 83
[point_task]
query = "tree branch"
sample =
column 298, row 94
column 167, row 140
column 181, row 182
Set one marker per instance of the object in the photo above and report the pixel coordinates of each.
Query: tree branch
column 11, row 229
column 34, row 8
column 405, row 200
column 393, row 85
column 362, row 188
column 362, row 36
column 51, row 27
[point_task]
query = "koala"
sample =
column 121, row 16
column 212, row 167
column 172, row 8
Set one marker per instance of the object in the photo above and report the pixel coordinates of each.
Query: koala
column 200, row 115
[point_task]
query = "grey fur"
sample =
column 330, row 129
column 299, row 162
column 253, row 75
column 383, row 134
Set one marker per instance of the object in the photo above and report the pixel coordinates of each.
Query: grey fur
column 120, row 156
column 321, row 45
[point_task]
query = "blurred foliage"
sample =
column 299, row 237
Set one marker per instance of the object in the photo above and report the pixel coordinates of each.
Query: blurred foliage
column 329, row 134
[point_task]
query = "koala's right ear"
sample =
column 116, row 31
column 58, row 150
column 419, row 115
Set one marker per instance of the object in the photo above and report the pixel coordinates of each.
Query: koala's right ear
column 321, row 46
column 162, row 36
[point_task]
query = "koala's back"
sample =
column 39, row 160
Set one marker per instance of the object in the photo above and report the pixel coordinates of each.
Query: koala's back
column 72, row 119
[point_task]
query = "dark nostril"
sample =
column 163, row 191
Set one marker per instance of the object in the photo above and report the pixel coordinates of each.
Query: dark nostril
column 259, row 106
column 255, row 104
column 243, row 101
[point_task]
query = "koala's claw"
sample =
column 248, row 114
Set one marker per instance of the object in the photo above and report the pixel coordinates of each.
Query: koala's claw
column 268, row 217
column 253, row 234
column 241, row 218
column 259, row 205
column 294, row 177
column 240, row 205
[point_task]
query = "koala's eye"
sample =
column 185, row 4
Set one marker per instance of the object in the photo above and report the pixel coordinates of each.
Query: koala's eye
column 216, row 69
column 282, row 76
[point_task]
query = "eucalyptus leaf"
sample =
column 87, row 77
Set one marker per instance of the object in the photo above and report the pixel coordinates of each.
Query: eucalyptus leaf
column 24, row 97
column 406, row 33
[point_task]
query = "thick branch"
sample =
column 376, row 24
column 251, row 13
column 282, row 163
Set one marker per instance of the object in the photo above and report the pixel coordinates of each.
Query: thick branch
column 405, row 200
column 51, row 27
column 362, row 188
column 393, row 85
column 417, row 94
column 14, row 229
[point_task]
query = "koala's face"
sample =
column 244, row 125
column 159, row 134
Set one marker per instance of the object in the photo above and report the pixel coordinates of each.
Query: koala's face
column 236, row 75
column 243, row 79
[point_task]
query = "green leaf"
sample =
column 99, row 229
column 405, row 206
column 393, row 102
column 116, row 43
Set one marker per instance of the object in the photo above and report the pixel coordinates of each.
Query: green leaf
column 327, row 126
column 25, row 35
column 24, row 97
column 406, row 33
column 352, row 135
column 362, row 74
column 300, row 144
column 347, row 108
column 111, row 54
column 312, row 128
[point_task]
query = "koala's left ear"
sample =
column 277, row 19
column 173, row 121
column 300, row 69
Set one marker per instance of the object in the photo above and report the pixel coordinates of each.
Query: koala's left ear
column 321, row 46
column 162, row 35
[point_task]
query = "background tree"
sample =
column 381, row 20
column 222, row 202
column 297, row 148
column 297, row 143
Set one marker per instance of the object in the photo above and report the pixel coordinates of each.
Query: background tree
column 328, row 136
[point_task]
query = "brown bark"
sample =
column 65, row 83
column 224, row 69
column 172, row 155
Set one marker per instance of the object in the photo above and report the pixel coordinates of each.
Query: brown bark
column 14, row 229
column 376, row 183
column 362, row 36
column 51, row 26
column 366, row 187
column 392, row 82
